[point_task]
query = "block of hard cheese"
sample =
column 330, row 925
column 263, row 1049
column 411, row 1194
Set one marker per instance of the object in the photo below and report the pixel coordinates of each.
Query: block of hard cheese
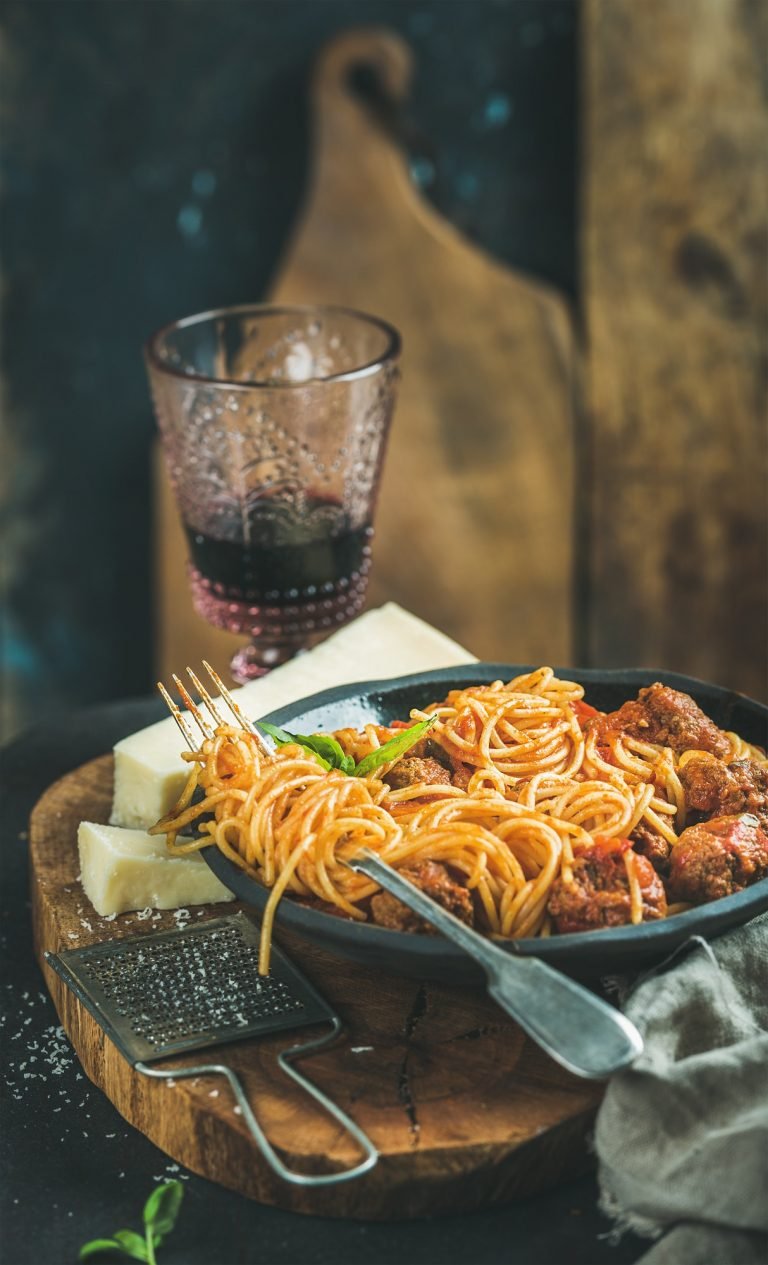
column 128, row 869
column 387, row 642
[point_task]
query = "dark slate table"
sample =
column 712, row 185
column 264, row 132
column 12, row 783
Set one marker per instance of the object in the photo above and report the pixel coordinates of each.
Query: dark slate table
column 73, row 1170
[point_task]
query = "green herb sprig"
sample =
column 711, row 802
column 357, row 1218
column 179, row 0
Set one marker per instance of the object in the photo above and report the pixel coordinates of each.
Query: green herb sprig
column 160, row 1213
column 328, row 752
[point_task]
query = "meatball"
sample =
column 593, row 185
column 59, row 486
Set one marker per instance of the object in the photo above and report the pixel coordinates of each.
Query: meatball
column 715, row 789
column 706, row 784
column 665, row 716
column 649, row 843
column 716, row 858
column 414, row 769
column 427, row 748
column 434, row 880
column 598, row 896
column 462, row 774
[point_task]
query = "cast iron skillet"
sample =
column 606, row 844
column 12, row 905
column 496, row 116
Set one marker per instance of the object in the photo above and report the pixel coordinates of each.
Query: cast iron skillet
column 586, row 955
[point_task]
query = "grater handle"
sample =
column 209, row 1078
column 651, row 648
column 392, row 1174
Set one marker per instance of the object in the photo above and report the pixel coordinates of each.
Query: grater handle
column 263, row 1143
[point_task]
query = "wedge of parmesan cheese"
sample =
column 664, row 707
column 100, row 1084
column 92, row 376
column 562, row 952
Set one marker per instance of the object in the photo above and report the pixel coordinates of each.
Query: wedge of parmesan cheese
column 387, row 642
column 128, row 869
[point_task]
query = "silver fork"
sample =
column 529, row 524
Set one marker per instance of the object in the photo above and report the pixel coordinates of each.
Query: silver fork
column 579, row 1030
column 205, row 726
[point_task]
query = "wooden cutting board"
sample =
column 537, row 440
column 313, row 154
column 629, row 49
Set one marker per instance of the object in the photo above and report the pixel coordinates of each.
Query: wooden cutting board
column 465, row 1111
column 673, row 250
column 475, row 519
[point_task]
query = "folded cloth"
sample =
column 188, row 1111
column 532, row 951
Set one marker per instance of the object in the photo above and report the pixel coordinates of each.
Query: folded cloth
column 682, row 1136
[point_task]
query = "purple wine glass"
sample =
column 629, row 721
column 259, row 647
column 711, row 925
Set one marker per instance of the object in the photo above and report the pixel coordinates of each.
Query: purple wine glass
column 274, row 422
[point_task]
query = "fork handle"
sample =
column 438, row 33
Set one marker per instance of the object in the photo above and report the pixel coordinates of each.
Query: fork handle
column 578, row 1029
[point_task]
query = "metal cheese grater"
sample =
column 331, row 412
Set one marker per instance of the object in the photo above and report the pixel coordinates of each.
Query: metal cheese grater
column 172, row 992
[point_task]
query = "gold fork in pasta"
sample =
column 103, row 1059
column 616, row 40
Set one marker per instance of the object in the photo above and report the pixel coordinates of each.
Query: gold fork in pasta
column 208, row 724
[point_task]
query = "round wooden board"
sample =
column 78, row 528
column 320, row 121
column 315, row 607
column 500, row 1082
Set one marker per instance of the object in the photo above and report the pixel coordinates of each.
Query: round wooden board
column 465, row 1111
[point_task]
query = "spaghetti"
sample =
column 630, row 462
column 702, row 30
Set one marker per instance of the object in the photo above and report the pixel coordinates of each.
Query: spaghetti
column 528, row 780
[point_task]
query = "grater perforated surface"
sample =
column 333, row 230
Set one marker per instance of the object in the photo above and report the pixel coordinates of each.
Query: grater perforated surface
column 198, row 986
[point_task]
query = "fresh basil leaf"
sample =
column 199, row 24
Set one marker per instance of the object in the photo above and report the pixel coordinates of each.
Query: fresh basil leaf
column 395, row 748
column 162, row 1207
column 98, row 1245
column 330, row 754
column 307, row 741
column 283, row 738
column 327, row 747
column 280, row 736
column 132, row 1244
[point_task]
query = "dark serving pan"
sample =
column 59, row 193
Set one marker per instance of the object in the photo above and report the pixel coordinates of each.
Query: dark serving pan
column 586, row 955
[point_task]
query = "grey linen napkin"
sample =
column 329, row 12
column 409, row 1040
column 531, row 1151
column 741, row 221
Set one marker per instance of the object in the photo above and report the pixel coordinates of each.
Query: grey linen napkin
column 682, row 1136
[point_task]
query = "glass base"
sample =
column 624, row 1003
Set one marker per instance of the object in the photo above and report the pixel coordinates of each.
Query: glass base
column 252, row 661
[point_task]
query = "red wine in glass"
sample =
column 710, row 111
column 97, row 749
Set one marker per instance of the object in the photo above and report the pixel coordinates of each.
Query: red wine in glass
column 287, row 576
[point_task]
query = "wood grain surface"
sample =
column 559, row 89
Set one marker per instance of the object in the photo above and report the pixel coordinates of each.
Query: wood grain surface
column 465, row 1111
column 675, row 257
column 474, row 524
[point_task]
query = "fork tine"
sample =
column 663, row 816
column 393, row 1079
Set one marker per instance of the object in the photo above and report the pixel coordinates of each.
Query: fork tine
column 239, row 715
column 205, row 696
column 192, row 708
column 236, row 711
column 175, row 711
